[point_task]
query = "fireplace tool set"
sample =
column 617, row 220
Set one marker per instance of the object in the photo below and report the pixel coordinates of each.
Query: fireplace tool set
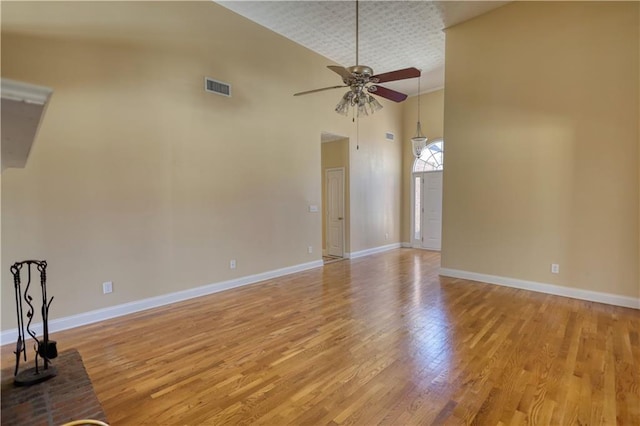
column 43, row 347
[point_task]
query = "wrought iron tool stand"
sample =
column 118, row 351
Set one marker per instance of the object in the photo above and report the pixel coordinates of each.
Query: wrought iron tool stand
column 44, row 348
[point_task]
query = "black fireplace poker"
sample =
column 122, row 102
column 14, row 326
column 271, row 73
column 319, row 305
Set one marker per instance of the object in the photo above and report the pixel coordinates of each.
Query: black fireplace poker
column 43, row 347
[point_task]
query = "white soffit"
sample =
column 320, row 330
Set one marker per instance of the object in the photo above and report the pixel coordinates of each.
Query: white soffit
column 330, row 137
column 23, row 106
column 24, row 92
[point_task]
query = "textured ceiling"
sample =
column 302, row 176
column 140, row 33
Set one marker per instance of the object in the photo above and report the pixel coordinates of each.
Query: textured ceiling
column 393, row 34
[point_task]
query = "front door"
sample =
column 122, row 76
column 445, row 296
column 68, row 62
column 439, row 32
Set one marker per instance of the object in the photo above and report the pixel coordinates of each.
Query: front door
column 427, row 213
column 335, row 212
column 432, row 217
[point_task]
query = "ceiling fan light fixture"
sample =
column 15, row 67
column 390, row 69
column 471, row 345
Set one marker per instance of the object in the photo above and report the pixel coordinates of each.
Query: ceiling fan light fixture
column 363, row 102
column 361, row 80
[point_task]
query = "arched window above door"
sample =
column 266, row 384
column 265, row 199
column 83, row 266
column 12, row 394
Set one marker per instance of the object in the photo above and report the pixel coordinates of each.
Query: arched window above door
column 431, row 158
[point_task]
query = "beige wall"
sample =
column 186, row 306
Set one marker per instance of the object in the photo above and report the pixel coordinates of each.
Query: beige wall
column 335, row 154
column 375, row 183
column 140, row 177
column 541, row 132
column 432, row 122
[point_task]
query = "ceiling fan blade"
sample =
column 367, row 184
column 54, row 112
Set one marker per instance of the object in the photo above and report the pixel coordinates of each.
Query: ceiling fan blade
column 392, row 95
column 341, row 71
column 397, row 75
column 317, row 90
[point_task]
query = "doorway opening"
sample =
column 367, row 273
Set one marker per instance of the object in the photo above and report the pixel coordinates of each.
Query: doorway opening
column 426, row 214
column 335, row 197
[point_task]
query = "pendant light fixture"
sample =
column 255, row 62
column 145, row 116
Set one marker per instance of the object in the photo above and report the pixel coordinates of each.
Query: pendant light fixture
column 419, row 141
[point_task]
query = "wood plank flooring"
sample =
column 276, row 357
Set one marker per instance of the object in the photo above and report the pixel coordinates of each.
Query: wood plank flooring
column 376, row 340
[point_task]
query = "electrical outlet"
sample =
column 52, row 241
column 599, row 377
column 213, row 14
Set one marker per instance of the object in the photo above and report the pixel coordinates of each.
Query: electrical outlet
column 555, row 268
column 232, row 264
column 107, row 287
column 310, row 249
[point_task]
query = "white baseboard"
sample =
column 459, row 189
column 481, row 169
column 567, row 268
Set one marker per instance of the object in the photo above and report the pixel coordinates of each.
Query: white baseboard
column 406, row 245
column 575, row 293
column 65, row 323
column 374, row 250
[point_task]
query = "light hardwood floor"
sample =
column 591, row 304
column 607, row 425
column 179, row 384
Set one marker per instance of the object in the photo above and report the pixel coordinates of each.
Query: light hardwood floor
column 381, row 339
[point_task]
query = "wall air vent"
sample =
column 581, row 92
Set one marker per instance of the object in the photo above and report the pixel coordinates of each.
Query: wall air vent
column 389, row 136
column 215, row 86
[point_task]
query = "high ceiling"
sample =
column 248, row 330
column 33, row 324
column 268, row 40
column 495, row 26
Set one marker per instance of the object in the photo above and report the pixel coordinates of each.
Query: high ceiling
column 392, row 34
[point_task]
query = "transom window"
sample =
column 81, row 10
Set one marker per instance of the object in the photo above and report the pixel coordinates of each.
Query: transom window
column 431, row 158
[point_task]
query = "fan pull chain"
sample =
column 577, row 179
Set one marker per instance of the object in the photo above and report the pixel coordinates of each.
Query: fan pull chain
column 357, row 132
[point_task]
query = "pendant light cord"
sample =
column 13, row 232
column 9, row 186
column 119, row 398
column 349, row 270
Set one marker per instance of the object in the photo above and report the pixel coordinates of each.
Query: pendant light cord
column 419, row 98
column 419, row 126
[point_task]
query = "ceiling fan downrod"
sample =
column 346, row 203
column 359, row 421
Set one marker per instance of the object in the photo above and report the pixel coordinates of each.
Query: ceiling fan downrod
column 357, row 33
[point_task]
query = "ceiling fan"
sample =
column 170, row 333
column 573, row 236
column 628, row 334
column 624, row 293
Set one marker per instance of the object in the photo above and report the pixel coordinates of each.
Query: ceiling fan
column 362, row 82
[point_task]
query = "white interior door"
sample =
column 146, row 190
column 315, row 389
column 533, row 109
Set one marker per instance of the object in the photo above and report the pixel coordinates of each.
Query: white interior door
column 427, row 212
column 335, row 212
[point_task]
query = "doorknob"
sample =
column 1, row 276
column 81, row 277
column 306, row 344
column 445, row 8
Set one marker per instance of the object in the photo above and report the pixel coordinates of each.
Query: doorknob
column 339, row 218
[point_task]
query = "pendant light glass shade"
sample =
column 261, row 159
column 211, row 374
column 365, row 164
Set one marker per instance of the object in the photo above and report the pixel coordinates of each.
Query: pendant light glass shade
column 343, row 105
column 364, row 103
column 374, row 104
column 419, row 141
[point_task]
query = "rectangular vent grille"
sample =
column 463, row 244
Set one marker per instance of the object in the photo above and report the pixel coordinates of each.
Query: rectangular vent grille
column 389, row 136
column 215, row 86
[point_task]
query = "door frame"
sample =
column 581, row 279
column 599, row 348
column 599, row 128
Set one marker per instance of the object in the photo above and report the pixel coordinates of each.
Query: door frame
column 326, row 210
